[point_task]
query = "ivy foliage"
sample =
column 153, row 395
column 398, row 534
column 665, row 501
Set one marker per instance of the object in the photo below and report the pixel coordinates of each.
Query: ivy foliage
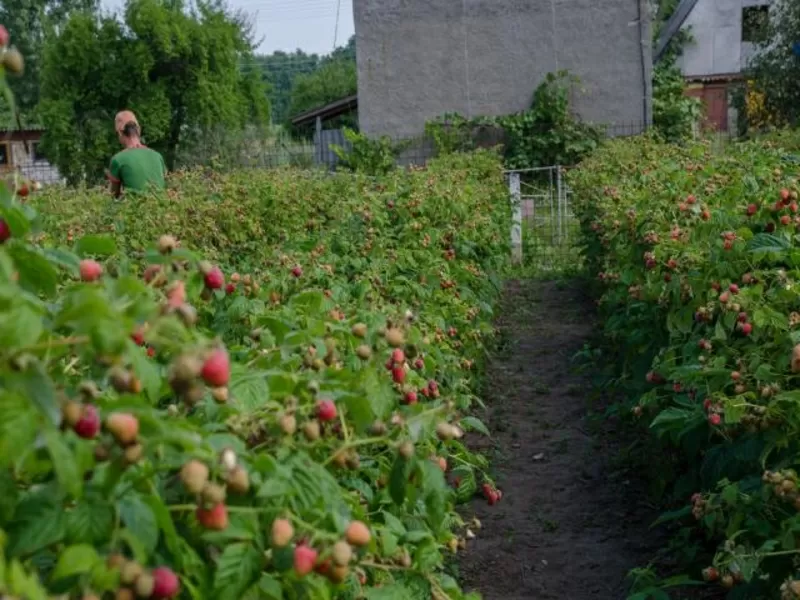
column 547, row 133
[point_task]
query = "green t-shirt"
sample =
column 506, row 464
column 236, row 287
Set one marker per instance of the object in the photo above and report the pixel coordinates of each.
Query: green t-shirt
column 138, row 169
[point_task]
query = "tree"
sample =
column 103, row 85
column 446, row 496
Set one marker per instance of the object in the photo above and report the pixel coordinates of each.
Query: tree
column 674, row 113
column 333, row 80
column 178, row 69
column 30, row 22
column 279, row 71
column 282, row 70
column 775, row 69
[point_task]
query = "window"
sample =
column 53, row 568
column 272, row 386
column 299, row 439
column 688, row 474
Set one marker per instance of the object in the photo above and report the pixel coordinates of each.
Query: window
column 755, row 23
column 5, row 155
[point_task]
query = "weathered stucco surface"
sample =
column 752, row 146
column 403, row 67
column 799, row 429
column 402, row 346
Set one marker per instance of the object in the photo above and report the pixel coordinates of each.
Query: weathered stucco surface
column 716, row 47
column 419, row 59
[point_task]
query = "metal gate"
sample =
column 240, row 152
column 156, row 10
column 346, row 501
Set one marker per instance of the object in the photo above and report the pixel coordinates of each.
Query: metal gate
column 544, row 229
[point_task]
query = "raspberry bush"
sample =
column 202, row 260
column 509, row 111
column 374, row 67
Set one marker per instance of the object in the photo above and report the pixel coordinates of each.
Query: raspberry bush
column 696, row 257
column 254, row 386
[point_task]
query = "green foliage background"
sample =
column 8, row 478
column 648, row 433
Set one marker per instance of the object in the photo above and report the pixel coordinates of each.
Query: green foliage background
column 178, row 68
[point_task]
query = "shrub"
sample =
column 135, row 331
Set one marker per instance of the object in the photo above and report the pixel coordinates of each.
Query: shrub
column 252, row 386
column 696, row 258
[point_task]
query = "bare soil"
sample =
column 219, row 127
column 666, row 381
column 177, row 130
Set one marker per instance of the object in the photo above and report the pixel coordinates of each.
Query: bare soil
column 573, row 521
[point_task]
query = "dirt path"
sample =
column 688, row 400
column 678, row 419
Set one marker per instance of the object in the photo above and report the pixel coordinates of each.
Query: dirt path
column 570, row 524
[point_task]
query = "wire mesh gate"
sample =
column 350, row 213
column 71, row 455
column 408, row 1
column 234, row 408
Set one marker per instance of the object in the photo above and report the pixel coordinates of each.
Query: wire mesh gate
column 544, row 229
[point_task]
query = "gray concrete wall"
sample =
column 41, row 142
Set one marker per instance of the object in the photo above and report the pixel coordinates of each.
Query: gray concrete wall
column 716, row 47
column 419, row 59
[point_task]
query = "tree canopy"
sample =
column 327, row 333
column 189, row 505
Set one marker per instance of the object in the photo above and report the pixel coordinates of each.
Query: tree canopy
column 29, row 23
column 775, row 69
column 178, row 68
column 299, row 81
column 332, row 81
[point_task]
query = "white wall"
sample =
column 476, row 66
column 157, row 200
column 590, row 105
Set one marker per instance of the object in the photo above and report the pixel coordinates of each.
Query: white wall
column 716, row 29
column 36, row 170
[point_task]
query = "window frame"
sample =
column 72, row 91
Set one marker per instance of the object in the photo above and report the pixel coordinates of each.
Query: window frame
column 753, row 32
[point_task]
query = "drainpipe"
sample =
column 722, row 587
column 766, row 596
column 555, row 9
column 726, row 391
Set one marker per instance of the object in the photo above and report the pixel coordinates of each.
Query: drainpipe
column 646, row 42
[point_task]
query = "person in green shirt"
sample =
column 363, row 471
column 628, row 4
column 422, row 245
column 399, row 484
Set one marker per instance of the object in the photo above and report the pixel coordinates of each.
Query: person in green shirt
column 137, row 168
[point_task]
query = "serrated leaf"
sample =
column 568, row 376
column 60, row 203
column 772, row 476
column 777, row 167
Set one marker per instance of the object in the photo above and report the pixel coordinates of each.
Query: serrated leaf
column 36, row 273
column 474, row 424
column 249, row 390
column 237, row 569
column 165, row 523
column 64, row 463
column 398, row 480
column 767, row 242
column 95, row 245
column 146, row 370
column 138, row 518
column 309, row 302
column 20, row 326
column 75, row 560
column 18, row 425
column 17, row 222
column 38, row 522
column 39, row 388
column 91, row 520
column 394, row 591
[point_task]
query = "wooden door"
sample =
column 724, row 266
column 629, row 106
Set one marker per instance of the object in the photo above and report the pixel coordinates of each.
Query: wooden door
column 716, row 101
column 714, row 97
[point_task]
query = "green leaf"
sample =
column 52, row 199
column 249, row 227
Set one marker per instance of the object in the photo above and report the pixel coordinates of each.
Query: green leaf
column 15, row 217
column 237, row 570
column 164, row 521
column 398, row 480
column 20, row 327
column 309, row 302
column 249, row 390
column 39, row 388
column 95, row 245
column 270, row 588
column 146, row 370
column 36, row 273
column 63, row 258
column 475, row 424
column 394, row 591
column 39, row 521
column 671, row 419
column 91, row 520
column 393, row 524
column 767, row 242
column 64, row 463
column 379, row 392
column 138, row 517
column 75, row 560
column 18, row 425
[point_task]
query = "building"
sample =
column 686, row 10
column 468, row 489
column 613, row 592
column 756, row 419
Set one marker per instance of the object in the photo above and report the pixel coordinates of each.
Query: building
column 420, row 59
column 19, row 151
column 724, row 36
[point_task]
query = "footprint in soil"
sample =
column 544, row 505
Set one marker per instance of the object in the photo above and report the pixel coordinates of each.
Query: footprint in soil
column 565, row 527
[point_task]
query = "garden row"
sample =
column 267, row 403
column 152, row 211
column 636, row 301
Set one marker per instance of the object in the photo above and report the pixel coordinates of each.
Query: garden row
column 254, row 386
column 697, row 258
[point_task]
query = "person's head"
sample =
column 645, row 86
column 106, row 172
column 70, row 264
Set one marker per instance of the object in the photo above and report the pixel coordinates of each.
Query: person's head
column 127, row 128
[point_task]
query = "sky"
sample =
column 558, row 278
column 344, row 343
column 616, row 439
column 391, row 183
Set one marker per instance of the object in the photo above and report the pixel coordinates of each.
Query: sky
column 309, row 25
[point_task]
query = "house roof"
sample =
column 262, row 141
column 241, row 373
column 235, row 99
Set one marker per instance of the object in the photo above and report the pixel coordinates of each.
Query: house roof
column 328, row 111
column 672, row 27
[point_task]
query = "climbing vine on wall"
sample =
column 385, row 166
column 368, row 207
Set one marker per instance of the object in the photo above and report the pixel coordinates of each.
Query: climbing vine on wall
column 547, row 133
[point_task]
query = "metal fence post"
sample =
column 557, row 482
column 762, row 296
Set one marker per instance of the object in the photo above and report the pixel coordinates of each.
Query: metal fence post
column 516, row 218
column 561, row 207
